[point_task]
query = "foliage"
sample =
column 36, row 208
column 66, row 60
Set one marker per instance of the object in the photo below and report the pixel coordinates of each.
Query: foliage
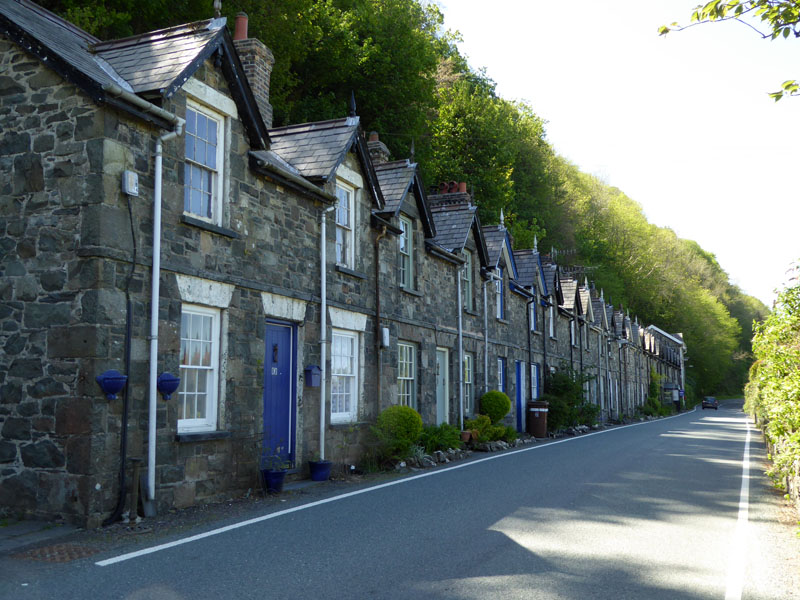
column 481, row 425
column 567, row 408
column 773, row 390
column 495, row 405
column 510, row 434
column 398, row 428
column 653, row 407
column 780, row 17
column 440, row 437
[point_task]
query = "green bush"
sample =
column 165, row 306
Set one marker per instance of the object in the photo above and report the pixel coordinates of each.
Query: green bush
column 510, row 434
column 481, row 424
column 495, row 405
column 398, row 429
column 440, row 437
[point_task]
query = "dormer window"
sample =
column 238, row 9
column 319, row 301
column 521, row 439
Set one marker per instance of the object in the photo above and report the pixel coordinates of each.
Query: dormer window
column 344, row 225
column 204, row 145
column 406, row 247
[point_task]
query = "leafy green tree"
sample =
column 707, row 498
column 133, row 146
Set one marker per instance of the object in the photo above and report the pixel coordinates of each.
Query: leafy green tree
column 778, row 19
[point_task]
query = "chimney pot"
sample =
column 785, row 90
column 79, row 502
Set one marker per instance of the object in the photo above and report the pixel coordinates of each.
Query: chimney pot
column 240, row 27
column 453, row 187
column 443, row 187
column 373, row 136
column 462, row 187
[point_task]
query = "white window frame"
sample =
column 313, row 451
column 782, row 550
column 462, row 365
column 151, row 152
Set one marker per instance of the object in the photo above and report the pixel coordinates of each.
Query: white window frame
column 407, row 374
column 192, row 374
column 534, row 312
column 499, row 295
column 217, row 171
column 340, row 412
column 469, row 382
column 467, row 280
column 502, row 368
column 345, row 233
column 551, row 313
column 572, row 339
column 534, row 381
column 406, row 248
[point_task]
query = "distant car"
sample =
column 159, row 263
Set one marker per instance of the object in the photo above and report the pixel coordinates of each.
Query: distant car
column 710, row 402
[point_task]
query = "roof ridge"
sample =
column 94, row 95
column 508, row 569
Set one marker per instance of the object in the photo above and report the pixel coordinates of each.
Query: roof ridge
column 160, row 34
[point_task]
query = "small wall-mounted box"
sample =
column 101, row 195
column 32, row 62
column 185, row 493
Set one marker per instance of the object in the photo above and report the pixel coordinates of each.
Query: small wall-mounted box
column 130, row 183
column 313, row 376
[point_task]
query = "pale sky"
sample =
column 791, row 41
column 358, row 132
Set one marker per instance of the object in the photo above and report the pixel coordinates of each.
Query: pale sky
column 683, row 125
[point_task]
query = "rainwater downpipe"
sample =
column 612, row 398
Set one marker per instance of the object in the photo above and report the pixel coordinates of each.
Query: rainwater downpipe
column 485, row 337
column 178, row 124
column 460, row 352
column 378, row 336
column 323, row 327
column 152, row 395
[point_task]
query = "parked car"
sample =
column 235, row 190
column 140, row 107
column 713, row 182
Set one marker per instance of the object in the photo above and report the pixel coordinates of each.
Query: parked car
column 710, row 402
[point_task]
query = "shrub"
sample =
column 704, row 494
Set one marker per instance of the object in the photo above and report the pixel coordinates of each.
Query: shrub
column 440, row 437
column 398, row 429
column 510, row 434
column 495, row 405
column 481, row 424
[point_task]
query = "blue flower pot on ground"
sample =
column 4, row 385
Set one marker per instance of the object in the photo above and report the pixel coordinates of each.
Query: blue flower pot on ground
column 320, row 469
column 273, row 480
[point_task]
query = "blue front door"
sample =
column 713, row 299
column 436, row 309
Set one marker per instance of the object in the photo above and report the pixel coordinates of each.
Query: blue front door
column 520, row 396
column 279, row 393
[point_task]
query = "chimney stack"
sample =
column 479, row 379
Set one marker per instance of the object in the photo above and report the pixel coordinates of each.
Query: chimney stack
column 257, row 61
column 378, row 151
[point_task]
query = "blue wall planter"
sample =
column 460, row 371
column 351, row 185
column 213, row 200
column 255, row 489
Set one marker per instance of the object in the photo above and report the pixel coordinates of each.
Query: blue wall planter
column 320, row 469
column 273, row 480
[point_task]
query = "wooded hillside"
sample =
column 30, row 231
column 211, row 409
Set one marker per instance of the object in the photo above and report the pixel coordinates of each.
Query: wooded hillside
column 413, row 87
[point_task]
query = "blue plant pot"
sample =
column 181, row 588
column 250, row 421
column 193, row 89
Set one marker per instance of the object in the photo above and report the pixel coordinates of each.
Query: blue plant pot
column 320, row 469
column 273, row 480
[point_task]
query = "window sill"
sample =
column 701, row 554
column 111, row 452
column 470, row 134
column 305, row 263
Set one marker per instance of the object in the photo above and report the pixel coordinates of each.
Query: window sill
column 503, row 321
column 536, row 332
column 474, row 313
column 206, row 226
column 351, row 272
column 202, row 436
column 411, row 292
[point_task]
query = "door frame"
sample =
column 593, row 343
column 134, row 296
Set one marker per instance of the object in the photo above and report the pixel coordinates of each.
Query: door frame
column 519, row 367
column 292, row 328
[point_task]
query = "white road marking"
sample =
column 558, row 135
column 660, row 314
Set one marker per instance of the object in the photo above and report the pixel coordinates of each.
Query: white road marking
column 738, row 558
column 280, row 513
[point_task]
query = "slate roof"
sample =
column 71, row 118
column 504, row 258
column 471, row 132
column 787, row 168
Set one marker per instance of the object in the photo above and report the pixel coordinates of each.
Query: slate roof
column 598, row 309
column 453, row 222
column 68, row 42
column 527, row 267
column 585, row 300
column 315, row 149
column 399, row 178
column 158, row 62
column 395, row 178
column 161, row 61
column 494, row 236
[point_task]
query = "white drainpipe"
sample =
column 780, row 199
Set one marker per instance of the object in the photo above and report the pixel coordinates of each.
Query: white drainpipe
column 460, row 354
column 323, row 325
column 178, row 123
column 155, row 290
column 485, row 339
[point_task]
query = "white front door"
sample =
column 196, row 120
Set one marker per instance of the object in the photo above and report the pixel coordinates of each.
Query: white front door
column 442, row 386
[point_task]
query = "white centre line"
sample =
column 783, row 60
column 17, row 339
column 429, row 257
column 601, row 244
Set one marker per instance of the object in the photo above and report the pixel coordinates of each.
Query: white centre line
column 738, row 557
column 280, row 513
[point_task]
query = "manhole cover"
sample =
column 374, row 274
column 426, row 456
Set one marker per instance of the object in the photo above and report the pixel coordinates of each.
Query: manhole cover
column 58, row 553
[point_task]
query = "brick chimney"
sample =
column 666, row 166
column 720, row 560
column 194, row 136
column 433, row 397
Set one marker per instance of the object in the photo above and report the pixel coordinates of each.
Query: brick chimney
column 378, row 151
column 257, row 61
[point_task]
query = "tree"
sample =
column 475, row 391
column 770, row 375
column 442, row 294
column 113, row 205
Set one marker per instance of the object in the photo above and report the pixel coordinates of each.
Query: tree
column 778, row 19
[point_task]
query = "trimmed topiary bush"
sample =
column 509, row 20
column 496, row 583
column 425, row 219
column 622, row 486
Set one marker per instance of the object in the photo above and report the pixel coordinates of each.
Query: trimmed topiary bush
column 398, row 429
column 495, row 405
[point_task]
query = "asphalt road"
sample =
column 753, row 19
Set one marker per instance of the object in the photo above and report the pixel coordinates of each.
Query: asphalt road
column 646, row 511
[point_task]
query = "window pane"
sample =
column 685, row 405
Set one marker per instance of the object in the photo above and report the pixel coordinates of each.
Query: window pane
column 191, row 119
column 190, row 146
column 201, row 126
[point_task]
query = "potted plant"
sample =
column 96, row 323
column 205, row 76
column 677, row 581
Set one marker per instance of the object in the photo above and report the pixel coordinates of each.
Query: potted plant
column 319, row 468
column 273, row 471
